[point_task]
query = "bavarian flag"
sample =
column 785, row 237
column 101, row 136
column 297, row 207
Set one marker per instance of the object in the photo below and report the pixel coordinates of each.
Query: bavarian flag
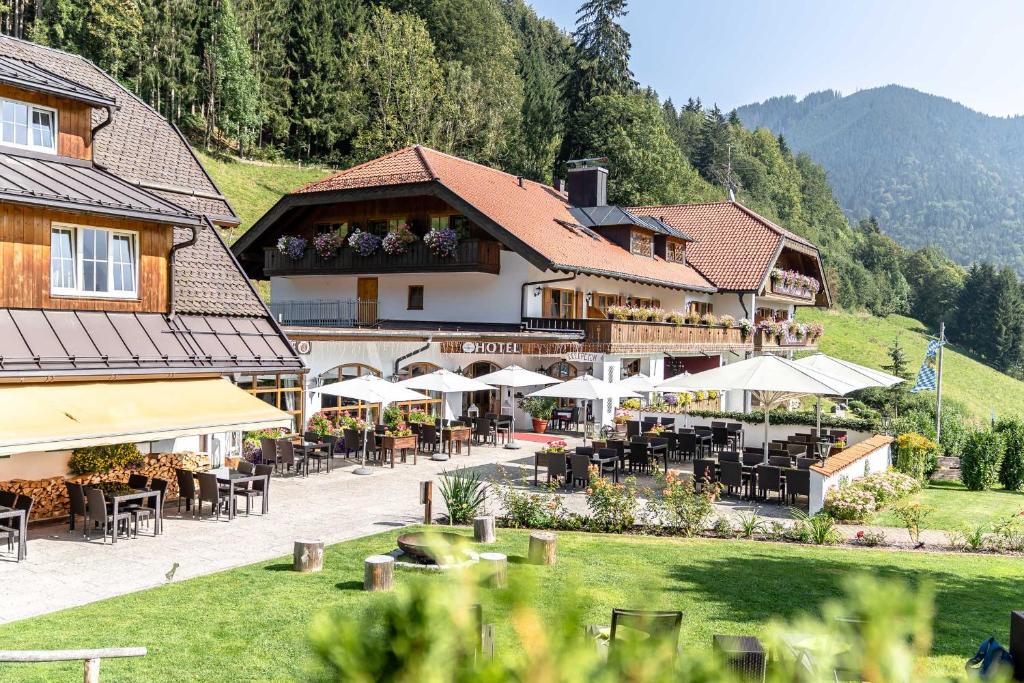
column 926, row 378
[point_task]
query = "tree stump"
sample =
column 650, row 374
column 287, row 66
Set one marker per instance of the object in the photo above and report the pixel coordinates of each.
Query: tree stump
column 542, row 547
column 483, row 529
column 308, row 556
column 495, row 568
column 379, row 573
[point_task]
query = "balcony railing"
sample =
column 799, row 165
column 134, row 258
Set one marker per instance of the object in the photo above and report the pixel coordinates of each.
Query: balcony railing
column 325, row 312
column 625, row 336
column 767, row 342
column 794, row 291
column 471, row 255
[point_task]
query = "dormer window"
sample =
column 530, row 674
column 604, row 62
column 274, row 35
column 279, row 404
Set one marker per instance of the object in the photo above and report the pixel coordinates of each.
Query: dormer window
column 28, row 125
column 641, row 244
column 675, row 252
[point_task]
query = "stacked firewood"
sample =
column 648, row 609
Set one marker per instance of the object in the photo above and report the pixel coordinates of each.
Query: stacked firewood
column 50, row 496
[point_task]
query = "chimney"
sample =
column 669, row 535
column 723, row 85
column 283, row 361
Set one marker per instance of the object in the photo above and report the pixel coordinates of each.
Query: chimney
column 588, row 182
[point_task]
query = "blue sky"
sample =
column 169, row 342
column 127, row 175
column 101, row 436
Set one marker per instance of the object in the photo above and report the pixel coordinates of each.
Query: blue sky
column 742, row 51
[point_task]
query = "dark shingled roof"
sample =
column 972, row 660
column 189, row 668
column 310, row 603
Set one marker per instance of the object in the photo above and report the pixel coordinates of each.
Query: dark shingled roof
column 139, row 145
column 69, row 184
column 41, row 343
column 27, row 75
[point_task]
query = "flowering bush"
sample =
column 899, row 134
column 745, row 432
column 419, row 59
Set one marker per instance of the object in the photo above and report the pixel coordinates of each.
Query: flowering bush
column 442, row 242
column 850, row 503
column 292, row 246
column 672, row 399
column 397, row 241
column 869, row 538
column 364, row 243
column 770, row 328
column 558, row 447
column 418, row 417
column 621, row 417
column 888, row 487
column 400, row 430
column 727, row 321
column 529, row 510
column 793, row 280
column 612, row 506
column 641, row 313
column 321, row 424
column 327, row 244
column 680, row 504
column 916, row 455
column 693, row 318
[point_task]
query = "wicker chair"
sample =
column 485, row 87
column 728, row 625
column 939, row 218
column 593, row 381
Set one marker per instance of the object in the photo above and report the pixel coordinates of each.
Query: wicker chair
column 558, row 466
column 657, row 625
column 638, row 456
column 798, row 483
column 96, row 513
column 579, row 467
column 732, row 476
column 268, row 451
column 769, row 479
column 210, row 492
column 186, row 489
column 704, row 471
column 76, row 499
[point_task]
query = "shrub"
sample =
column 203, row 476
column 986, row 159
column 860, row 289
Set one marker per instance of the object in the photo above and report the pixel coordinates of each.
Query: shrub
column 850, row 503
column 722, row 527
column 981, row 460
column 327, row 244
column 913, row 516
column 464, row 494
column 1010, row 532
column 321, row 424
column 819, row 529
column 612, row 506
column 888, row 487
column 870, row 538
column 102, row 459
column 681, row 505
column 970, row 537
column 791, row 417
column 392, row 416
column 1011, row 472
column 916, row 455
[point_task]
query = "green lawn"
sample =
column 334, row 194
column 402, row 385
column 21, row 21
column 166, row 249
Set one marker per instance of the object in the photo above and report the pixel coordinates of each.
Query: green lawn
column 251, row 623
column 864, row 339
column 254, row 187
column 954, row 506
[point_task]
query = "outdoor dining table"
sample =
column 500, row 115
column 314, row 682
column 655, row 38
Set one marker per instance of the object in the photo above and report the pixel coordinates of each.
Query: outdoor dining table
column 15, row 513
column 141, row 495
column 596, row 459
column 234, row 478
column 308, row 447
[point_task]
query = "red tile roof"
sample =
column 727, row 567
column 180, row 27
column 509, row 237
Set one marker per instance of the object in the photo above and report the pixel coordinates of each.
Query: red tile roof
column 534, row 214
column 735, row 247
column 848, row 456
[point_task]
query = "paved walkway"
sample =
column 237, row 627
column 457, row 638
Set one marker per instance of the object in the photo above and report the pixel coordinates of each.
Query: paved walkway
column 63, row 570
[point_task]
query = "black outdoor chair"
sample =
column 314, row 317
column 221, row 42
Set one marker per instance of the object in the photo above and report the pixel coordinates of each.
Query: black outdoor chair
column 142, row 513
column 669, row 422
column 246, row 467
column 704, row 471
column 729, row 456
column 638, row 456
column 686, row 446
column 354, row 441
column 632, row 428
column 210, row 492
column 585, row 450
column 12, row 532
column 752, row 459
column 805, row 463
column 780, row 461
column 798, row 483
column 609, row 466
column 797, row 450
column 138, row 481
column 287, row 458
column 657, row 625
column 719, row 438
column 483, row 431
column 159, row 485
column 323, row 453
column 97, row 514
column 428, row 439
column 268, row 451
column 769, row 480
column 579, row 466
column 186, row 489
column 731, row 475
column 558, row 466
column 258, row 488
column 672, row 439
column 7, row 499
column 76, row 501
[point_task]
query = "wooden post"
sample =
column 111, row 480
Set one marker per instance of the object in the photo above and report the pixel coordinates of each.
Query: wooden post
column 308, row 556
column 92, row 671
column 487, row 641
column 427, row 500
column 542, row 547
column 483, row 529
column 379, row 573
column 495, row 567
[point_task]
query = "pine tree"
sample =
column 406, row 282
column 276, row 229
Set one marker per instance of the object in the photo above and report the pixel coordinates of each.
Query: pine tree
column 712, row 146
column 897, row 366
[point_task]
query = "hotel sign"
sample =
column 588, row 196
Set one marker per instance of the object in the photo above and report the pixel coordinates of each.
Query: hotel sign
column 512, row 348
column 490, row 347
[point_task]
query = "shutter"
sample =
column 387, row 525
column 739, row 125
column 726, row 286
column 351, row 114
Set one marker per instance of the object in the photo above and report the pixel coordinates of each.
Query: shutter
column 548, row 305
column 711, row 307
column 579, row 300
column 656, row 303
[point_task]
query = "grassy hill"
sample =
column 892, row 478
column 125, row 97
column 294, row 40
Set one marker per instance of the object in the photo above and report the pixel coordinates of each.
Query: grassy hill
column 254, row 187
column 865, row 339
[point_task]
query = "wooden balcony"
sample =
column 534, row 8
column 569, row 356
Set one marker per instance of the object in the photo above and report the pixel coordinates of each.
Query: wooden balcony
column 790, row 291
column 626, row 336
column 471, row 255
column 766, row 342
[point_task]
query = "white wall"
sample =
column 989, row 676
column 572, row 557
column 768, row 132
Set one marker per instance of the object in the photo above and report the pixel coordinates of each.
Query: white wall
column 877, row 460
column 37, row 465
column 728, row 303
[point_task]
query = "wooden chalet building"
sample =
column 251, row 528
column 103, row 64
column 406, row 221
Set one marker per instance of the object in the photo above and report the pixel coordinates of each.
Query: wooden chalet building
column 121, row 308
column 525, row 273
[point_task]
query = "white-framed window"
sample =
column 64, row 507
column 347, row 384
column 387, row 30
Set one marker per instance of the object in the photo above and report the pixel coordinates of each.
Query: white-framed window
column 28, row 125
column 96, row 262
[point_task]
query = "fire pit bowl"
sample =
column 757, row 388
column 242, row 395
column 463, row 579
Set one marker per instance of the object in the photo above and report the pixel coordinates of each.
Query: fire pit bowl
column 434, row 547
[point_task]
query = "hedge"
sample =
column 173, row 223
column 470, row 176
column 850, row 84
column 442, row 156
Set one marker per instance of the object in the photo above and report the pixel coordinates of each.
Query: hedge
column 981, row 460
column 792, row 417
column 1011, row 473
column 916, row 455
column 102, row 459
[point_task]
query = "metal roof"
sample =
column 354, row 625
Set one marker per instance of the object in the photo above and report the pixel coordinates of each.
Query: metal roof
column 77, row 185
column 40, row 343
column 609, row 215
column 27, row 75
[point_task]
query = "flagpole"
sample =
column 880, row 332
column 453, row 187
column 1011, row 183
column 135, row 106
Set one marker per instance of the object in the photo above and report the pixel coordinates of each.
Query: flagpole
column 938, row 384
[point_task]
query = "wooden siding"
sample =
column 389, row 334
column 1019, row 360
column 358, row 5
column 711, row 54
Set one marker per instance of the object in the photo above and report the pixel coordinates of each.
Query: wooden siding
column 74, row 120
column 25, row 261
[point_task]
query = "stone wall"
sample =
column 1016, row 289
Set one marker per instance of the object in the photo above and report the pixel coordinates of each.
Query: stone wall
column 50, row 496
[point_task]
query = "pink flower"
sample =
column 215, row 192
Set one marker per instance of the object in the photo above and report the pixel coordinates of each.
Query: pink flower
column 860, row 534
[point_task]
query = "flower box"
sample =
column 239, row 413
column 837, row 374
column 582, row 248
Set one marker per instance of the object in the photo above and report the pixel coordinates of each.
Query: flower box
column 398, row 443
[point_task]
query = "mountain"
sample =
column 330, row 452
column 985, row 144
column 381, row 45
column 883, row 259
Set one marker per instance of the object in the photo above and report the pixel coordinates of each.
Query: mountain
column 930, row 169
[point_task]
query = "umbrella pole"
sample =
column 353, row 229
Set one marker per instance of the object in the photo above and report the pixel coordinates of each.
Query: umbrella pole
column 511, row 443
column 766, row 410
column 818, row 414
column 363, row 469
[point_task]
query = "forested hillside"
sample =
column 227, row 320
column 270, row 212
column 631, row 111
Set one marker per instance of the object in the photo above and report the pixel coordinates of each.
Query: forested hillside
column 931, row 170
column 337, row 82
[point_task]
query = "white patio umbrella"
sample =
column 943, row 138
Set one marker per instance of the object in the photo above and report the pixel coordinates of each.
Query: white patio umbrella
column 641, row 384
column 445, row 382
column 857, row 376
column 370, row 389
column 586, row 388
column 515, row 377
column 771, row 379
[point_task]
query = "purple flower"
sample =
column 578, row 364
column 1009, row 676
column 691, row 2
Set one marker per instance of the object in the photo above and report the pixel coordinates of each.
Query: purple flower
column 292, row 246
column 398, row 240
column 442, row 242
column 327, row 244
column 364, row 243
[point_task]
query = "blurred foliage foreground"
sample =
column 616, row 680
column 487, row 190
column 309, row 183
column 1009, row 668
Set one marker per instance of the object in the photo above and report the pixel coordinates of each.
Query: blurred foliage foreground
column 429, row 630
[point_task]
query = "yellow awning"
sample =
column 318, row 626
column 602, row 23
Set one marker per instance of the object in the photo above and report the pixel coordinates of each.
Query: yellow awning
column 65, row 415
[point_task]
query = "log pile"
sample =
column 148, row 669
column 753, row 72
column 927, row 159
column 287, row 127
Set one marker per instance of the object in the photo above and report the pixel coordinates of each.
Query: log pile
column 50, row 496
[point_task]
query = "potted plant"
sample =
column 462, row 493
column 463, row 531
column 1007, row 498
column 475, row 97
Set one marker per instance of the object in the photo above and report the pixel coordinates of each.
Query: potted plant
column 327, row 244
column 292, row 246
column 398, row 438
column 364, row 243
column 539, row 409
column 442, row 242
column 397, row 241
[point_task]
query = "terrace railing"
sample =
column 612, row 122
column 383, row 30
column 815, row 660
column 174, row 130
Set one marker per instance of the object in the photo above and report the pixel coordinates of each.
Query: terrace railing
column 766, row 342
column 471, row 255
column 325, row 312
column 626, row 336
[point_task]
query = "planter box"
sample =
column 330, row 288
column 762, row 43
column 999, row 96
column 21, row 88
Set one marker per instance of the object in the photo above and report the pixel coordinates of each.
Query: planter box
column 398, row 443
